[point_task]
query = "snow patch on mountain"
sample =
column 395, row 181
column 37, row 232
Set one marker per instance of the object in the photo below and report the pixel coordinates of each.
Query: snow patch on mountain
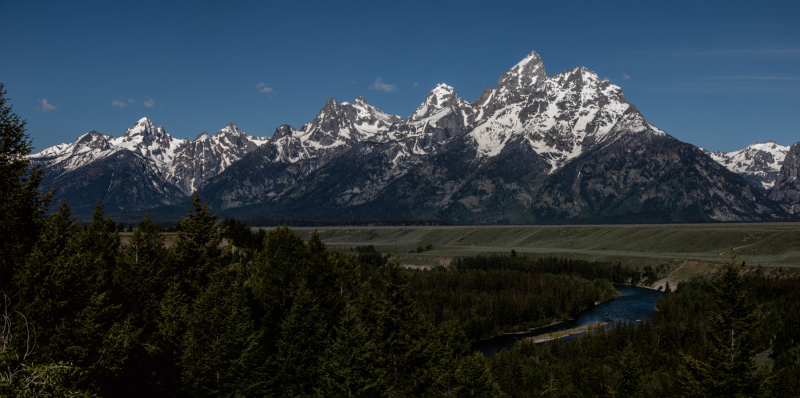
column 759, row 163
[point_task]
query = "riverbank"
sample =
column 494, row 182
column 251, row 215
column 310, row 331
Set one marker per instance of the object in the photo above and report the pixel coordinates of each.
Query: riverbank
column 526, row 331
column 568, row 332
column 634, row 304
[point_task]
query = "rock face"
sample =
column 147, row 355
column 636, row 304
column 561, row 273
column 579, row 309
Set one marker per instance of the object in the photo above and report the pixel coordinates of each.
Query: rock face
column 759, row 164
column 787, row 187
column 207, row 156
column 563, row 148
column 536, row 149
column 144, row 168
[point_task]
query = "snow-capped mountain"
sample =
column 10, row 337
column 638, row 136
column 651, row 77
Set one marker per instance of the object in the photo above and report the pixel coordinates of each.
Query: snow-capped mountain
column 759, row 163
column 787, row 186
column 160, row 169
column 151, row 142
column 536, row 148
column 207, row 156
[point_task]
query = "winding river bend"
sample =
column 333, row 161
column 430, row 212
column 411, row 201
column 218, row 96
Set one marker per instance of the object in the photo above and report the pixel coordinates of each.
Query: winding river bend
column 635, row 303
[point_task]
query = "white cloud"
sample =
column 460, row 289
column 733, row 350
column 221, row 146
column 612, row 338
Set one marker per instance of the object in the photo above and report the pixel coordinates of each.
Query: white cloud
column 381, row 86
column 415, row 84
column 122, row 102
column 625, row 76
column 264, row 89
column 149, row 102
column 45, row 106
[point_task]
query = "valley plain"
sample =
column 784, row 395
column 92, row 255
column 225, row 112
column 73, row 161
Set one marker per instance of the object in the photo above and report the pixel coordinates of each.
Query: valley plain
column 695, row 247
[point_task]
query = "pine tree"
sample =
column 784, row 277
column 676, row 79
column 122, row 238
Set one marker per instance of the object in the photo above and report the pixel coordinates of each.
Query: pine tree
column 138, row 275
column 506, row 369
column 197, row 251
column 66, row 285
column 140, row 285
column 731, row 369
column 630, row 379
column 296, row 364
column 474, row 378
column 448, row 348
column 324, row 275
column 403, row 349
column 347, row 366
column 221, row 346
column 274, row 275
column 22, row 206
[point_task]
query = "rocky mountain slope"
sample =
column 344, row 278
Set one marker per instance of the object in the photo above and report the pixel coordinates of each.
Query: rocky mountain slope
column 535, row 149
column 563, row 148
column 759, row 163
column 142, row 169
column 787, row 186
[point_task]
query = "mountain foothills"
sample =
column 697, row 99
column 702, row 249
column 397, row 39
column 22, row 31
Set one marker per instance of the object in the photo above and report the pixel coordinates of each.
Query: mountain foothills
column 535, row 149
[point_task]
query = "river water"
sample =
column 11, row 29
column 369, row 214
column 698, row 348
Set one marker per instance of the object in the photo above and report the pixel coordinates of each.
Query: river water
column 634, row 304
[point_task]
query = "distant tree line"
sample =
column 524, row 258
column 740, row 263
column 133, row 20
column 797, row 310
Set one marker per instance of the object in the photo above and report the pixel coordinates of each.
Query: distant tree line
column 271, row 222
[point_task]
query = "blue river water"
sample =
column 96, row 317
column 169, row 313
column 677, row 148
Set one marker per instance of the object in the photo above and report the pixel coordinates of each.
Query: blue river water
column 634, row 304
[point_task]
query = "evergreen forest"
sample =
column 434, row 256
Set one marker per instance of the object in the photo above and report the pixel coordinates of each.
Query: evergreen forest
column 225, row 311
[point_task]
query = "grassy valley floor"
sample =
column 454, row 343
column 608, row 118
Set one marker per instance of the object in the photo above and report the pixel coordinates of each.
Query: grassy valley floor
column 685, row 249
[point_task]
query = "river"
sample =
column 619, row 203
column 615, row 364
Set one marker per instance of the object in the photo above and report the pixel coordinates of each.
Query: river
column 633, row 304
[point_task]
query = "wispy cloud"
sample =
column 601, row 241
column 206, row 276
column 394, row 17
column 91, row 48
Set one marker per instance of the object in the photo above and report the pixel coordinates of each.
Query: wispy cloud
column 149, row 102
column 262, row 88
column 122, row 102
column 45, row 106
column 381, row 86
column 626, row 76
column 415, row 84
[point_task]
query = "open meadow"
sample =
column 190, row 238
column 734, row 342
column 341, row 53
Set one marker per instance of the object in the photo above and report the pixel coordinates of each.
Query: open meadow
column 768, row 244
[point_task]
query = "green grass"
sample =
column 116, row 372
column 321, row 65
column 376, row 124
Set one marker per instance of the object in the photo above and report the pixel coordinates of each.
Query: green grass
column 768, row 244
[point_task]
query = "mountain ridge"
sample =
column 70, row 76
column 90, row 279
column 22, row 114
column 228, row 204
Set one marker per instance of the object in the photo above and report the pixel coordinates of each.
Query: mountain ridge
column 533, row 149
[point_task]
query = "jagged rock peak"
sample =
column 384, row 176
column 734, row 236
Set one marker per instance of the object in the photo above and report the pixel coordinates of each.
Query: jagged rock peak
column 440, row 97
column 525, row 76
column 144, row 128
column 284, row 130
column 93, row 140
column 230, row 129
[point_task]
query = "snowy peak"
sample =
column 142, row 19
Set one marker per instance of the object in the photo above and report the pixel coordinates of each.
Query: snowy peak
column 150, row 141
column 209, row 155
column 333, row 125
column 231, row 129
column 524, row 77
column 337, row 124
column 284, row 130
column 370, row 120
column 759, row 163
column 442, row 96
column 93, row 140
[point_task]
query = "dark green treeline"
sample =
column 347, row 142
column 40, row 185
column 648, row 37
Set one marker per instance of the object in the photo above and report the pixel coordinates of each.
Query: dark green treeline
column 733, row 336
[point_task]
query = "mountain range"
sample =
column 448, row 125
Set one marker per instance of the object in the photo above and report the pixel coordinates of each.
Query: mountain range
column 565, row 148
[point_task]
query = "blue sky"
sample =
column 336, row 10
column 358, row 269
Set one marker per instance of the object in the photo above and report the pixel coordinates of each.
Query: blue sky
column 719, row 75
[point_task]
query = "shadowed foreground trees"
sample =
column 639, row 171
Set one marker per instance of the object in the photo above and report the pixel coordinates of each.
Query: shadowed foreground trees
column 730, row 369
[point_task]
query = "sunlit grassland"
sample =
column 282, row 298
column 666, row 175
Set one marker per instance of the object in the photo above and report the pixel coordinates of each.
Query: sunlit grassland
column 768, row 244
